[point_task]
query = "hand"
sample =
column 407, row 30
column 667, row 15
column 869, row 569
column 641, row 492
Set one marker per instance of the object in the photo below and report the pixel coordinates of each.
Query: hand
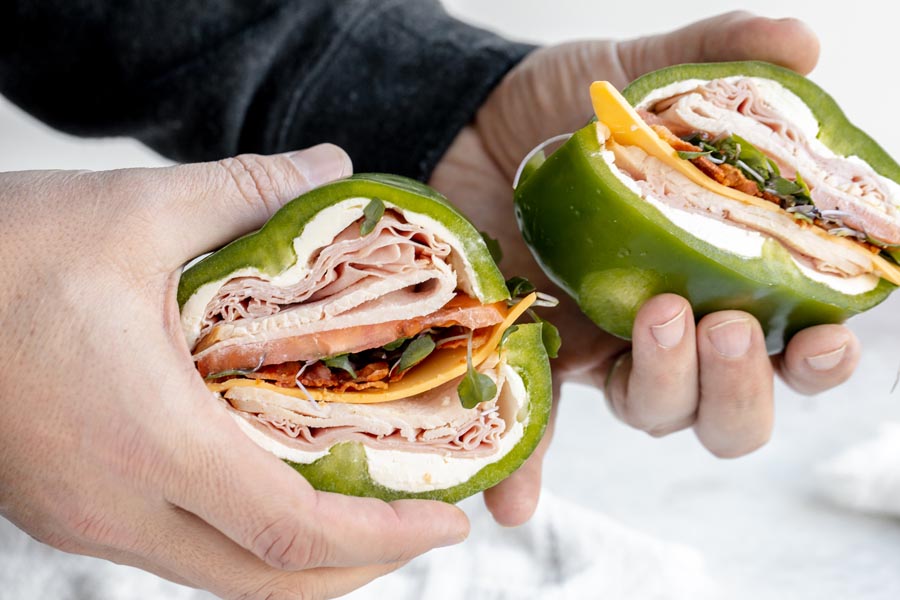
column 111, row 444
column 659, row 384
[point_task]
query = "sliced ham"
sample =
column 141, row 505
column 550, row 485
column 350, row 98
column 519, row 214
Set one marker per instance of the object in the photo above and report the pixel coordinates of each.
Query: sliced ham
column 360, row 292
column 350, row 272
column 431, row 422
column 739, row 105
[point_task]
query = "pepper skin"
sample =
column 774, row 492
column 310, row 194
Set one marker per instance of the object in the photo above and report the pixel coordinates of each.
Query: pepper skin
column 612, row 251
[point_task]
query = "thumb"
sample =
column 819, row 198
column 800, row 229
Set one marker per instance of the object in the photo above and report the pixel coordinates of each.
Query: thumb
column 206, row 205
column 736, row 35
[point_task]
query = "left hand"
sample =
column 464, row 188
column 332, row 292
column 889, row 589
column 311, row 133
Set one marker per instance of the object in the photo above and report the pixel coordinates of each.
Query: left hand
column 715, row 376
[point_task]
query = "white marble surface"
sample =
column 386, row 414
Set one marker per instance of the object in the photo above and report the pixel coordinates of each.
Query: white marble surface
column 760, row 526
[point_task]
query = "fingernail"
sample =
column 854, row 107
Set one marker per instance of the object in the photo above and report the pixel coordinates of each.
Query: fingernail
column 826, row 361
column 668, row 334
column 322, row 164
column 731, row 338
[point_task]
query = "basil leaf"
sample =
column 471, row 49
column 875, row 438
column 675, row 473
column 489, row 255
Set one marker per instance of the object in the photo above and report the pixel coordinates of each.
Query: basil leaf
column 549, row 335
column 493, row 247
column 390, row 347
column 373, row 212
column 475, row 387
column 729, row 149
column 688, row 155
column 416, row 352
column 752, row 157
column 519, row 286
column 342, row 362
column 509, row 331
column 782, row 187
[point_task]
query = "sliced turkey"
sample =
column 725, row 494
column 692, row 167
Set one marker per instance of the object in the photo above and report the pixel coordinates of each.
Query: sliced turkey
column 742, row 106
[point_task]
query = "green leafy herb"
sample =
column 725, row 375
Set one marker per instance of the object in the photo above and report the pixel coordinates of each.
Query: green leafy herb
column 390, row 347
column 549, row 335
column 475, row 387
column 342, row 362
column 689, row 155
column 373, row 212
column 752, row 157
column 229, row 373
column 416, row 352
column 782, row 187
column 509, row 331
column 738, row 152
column 493, row 247
column 519, row 287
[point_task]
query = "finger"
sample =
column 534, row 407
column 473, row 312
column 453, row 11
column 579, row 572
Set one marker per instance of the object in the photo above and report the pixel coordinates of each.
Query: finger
column 819, row 358
column 736, row 410
column 203, row 206
column 265, row 506
column 512, row 502
column 656, row 388
column 204, row 558
column 735, row 35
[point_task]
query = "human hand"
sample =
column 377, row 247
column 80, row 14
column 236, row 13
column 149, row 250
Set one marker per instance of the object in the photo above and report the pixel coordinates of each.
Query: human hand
column 112, row 446
column 672, row 375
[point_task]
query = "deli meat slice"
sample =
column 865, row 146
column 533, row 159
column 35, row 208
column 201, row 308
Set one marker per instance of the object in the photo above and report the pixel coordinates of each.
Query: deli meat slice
column 738, row 105
column 359, row 292
column 347, row 273
column 434, row 421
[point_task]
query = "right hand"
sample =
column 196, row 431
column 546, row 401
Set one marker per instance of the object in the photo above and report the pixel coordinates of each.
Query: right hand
column 714, row 376
column 111, row 445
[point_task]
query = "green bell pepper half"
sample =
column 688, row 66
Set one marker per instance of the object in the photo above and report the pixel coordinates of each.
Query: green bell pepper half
column 612, row 251
column 270, row 250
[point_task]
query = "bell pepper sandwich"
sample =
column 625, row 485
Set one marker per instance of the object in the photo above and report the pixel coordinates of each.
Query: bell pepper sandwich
column 736, row 185
column 366, row 336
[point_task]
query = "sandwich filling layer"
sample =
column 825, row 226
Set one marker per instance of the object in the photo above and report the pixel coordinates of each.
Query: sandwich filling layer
column 368, row 345
column 682, row 148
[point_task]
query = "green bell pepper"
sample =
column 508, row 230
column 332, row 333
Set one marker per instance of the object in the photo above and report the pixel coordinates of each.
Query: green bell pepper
column 612, row 251
column 270, row 250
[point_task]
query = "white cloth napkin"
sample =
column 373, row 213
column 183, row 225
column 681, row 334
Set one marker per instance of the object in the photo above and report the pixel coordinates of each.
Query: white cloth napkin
column 565, row 552
column 866, row 477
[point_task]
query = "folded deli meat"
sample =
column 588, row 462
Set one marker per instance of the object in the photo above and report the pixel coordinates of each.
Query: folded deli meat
column 369, row 338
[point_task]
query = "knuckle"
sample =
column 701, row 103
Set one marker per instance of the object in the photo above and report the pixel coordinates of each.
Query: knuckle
column 255, row 179
column 285, row 544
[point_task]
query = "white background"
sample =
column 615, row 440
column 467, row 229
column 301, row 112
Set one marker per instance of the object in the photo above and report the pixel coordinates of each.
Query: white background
column 761, row 523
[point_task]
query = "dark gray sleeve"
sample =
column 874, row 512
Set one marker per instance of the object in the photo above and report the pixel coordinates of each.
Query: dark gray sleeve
column 392, row 81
